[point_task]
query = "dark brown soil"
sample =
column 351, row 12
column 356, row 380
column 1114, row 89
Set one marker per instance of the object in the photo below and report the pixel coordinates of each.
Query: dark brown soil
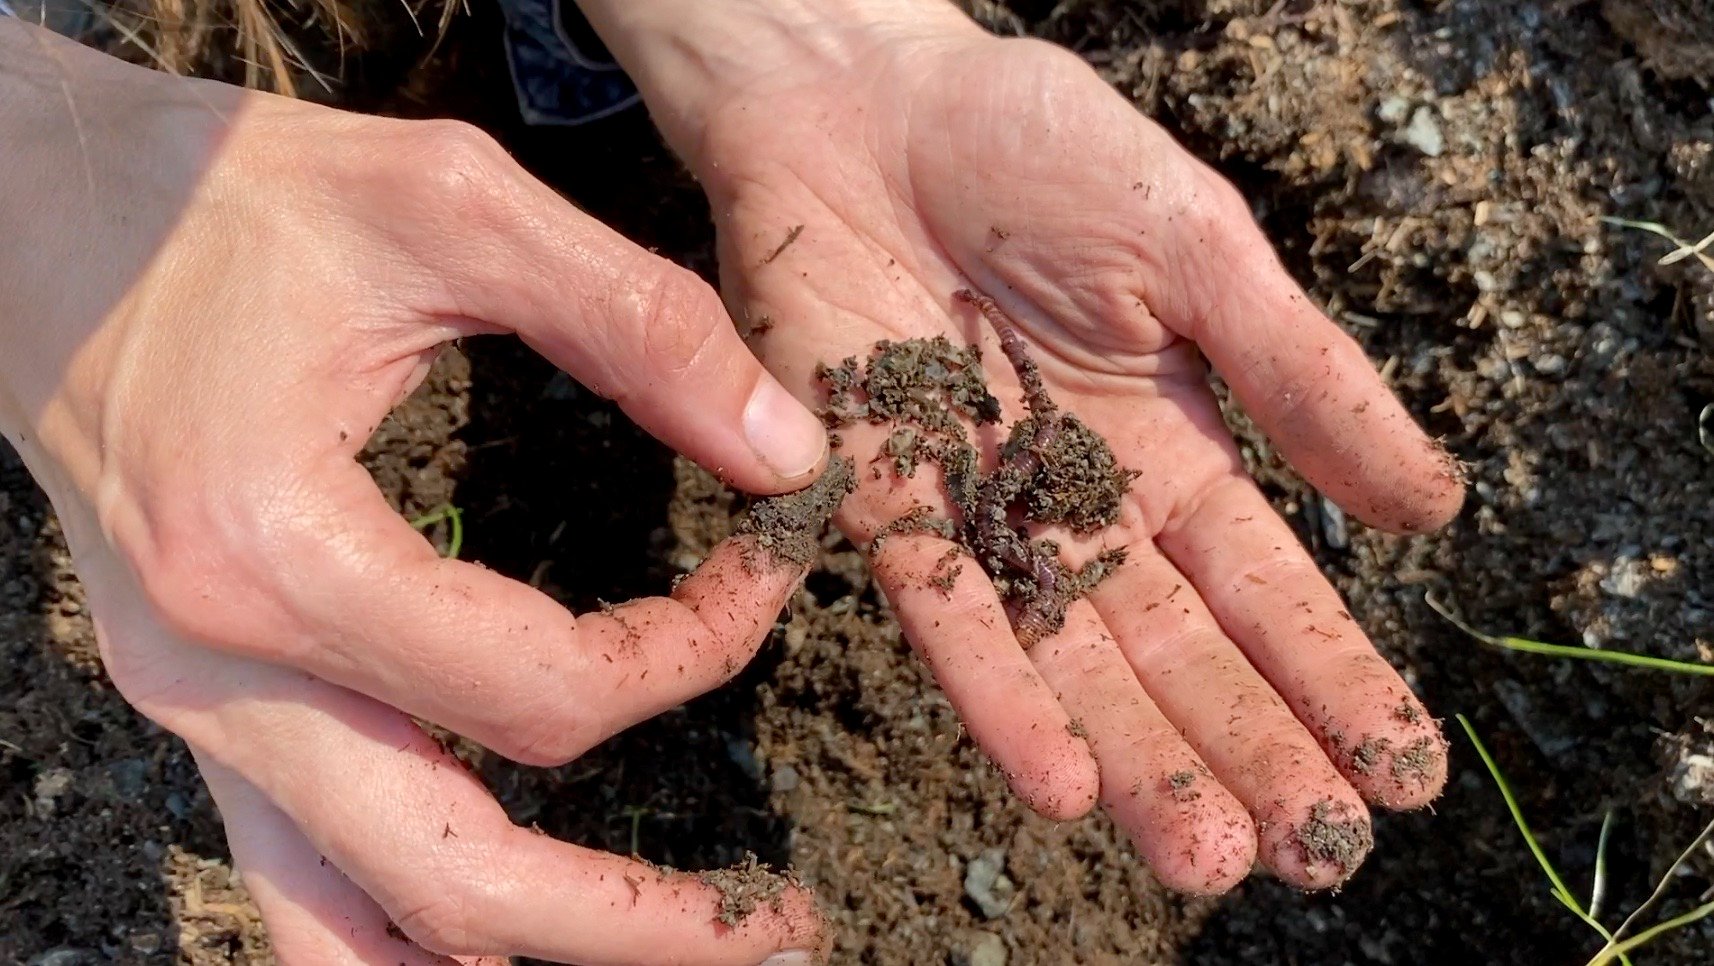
column 1052, row 468
column 788, row 528
column 1548, row 349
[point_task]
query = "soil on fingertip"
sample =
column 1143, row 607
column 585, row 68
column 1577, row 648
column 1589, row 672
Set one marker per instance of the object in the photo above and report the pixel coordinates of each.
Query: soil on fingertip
column 746, row 887
column 1434, row 173
column 787, row 529
column 1332, row 837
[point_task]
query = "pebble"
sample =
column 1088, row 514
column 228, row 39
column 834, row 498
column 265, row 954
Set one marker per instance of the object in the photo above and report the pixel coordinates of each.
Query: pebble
column 743, row 754
column 785, row 778
column 65, row 956
column 986, row 884
column 1423, row 133
column 986, row 949
column 51, row 785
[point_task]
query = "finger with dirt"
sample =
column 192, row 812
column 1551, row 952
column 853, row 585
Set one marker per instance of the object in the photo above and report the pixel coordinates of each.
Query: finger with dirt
column 1234, row 720
column 1194, row 834
column 949, row 611
column 312, row 912
column 1265, row 590
column 1317, row 396
column 365, row 602
column 418, row 833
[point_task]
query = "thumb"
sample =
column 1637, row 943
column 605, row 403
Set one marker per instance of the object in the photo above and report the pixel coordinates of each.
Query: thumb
column 629, row 325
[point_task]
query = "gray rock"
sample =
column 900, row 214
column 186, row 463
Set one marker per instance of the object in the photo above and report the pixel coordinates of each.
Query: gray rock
column 987, row 949
column 785, row 778
column 986, row 884
column 65, row 956
column 51, row 786
column 743, row 754
column 1423, row 132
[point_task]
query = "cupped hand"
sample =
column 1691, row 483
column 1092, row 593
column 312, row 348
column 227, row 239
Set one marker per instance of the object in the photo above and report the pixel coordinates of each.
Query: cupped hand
column 1214, row 693
column 217, row 299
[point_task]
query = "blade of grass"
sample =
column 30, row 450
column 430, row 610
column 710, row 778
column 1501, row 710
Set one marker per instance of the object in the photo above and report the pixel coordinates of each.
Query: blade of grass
column 1598, row 891
column 1659, row 892
column 1684, row 250
column 1559, row 890
column 1652, row 933
column 455, row 524
column 1528, row 646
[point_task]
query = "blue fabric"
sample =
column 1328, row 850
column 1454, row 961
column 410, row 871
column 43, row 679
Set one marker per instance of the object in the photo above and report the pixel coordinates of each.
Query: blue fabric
column 556, row 81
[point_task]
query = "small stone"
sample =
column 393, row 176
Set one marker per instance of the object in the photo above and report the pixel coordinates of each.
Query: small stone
column 64, row 956
column 1550, row 364
column 743, row 754
column 785, row 778
column 51, row 786
column 1423, row 132
column 985, row 949
column 560, row 388
column 986, row 884
column 1333, row 525
column 1394, row 109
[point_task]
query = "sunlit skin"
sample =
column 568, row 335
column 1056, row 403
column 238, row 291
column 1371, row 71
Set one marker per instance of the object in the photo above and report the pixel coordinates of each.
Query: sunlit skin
column 923, row 157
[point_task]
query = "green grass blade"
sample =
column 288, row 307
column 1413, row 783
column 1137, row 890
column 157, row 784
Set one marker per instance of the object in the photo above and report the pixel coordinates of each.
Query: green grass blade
column 1518, row 818
column 1559, row 890
column 455, row 523
column 1598, row 891
column 1661, row 886
column 1528, row 646
column 1650, row 934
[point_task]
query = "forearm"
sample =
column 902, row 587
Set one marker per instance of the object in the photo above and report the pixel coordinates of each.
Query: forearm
column 94, row 178
column 689, row 56
column 58, row 153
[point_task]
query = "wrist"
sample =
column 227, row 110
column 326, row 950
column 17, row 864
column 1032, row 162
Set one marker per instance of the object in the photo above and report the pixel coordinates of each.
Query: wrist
column 693, row 58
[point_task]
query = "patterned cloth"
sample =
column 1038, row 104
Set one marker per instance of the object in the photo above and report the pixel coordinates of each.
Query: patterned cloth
column 557, row 82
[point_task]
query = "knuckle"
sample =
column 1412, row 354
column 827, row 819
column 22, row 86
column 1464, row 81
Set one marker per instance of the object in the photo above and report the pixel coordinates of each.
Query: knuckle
column 460, row 163
column 548, row 741
column 443, row 922
column 679, row 318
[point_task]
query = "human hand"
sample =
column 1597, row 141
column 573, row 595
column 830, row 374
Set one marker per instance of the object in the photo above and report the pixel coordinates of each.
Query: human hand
column 213, row 298
column 921, row 156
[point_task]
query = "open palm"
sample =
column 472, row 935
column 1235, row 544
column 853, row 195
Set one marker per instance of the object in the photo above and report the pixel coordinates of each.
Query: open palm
column 1213, row 693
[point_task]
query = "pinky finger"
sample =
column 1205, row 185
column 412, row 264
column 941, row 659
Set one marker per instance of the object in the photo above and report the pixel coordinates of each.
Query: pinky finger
column 313, row 913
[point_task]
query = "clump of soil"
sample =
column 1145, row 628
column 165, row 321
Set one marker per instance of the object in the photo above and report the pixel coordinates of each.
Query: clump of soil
column 1052, row 470
column 746, row 886
column 1330, row 837
column 1675, row 37
column 788, row 527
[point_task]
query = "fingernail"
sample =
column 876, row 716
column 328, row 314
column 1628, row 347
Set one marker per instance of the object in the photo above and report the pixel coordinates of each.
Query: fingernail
column 788, row 437
column 795, row 958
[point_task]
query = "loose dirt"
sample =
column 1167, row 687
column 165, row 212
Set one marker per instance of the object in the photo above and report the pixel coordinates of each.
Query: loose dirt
column 1052, row 468
column 788, row 528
